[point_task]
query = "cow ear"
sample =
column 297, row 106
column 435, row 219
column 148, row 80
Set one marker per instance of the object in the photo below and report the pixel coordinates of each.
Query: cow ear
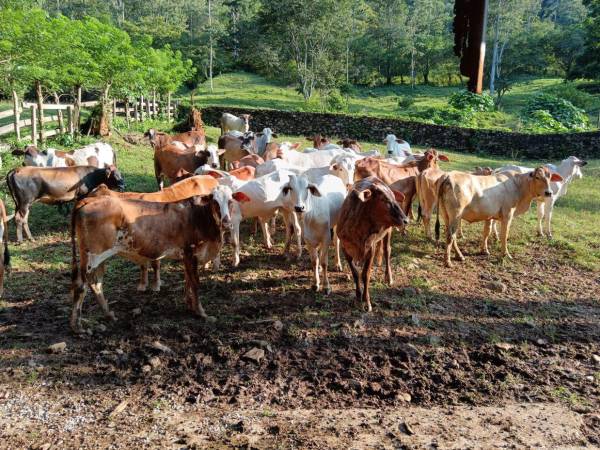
column 339, row 142
column 221, row 151
column 399, row 196
column 443, row 158
column 295, row 146
column 365, row 195
column 555, row 177
column 274, row 135
column 429, row 156
column 214, row 174
column 240, row 197
column 314, row 190
column 308, row 139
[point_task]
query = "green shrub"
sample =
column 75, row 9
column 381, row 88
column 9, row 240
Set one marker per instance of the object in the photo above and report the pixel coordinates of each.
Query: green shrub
column 562, row 111
column 570, row 92
column 334, row 101
column 446, row 116
column 468, row 101
column 405, row 101
column 66, row 140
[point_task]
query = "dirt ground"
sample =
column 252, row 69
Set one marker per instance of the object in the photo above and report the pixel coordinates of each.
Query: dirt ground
column 485, row 355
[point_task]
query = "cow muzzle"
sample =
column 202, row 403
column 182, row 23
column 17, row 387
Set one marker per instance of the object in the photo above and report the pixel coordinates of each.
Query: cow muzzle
column 547, row 194
column 226, row 224
column 299, row 209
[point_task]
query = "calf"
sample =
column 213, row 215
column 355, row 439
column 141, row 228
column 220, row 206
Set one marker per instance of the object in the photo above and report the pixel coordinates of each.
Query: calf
column 229, row 122
column 483, row 198
column 169, row 160
column 55, row 185
column 368, row 214
column 569, row 169
column 396, row 147
column 159, row 139
column 193, row 186
column 143, row 232
column 318, row 206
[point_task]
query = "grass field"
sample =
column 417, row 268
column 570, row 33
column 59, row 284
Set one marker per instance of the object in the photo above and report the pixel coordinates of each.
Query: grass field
column 252, row 91
column 443, row 346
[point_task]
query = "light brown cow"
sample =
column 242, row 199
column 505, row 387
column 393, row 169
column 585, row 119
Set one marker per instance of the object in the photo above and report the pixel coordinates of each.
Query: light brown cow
column 368, row 214
column 194, row 185
column 401, row 178
column 158, row 139
column 143, row 232
column 249, row 161
column 486, row 198
column 169, row 160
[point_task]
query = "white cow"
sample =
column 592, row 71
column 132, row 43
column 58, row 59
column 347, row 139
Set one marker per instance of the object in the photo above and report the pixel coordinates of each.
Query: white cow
column 396, row 146
column 309, row 160
column 318, row 205
column 569, row 169
column 262, row 139
column 264, row 200
column 230, row 122
column 99, row 154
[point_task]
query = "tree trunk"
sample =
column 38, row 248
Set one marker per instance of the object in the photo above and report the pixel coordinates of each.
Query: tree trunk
column 77, row 108
column 412, row 68
column 127, row 111
column 40, row 106
column 59, row 113
column 169, row 107
column 210, row 57
column 495, row 52
column 17, row 113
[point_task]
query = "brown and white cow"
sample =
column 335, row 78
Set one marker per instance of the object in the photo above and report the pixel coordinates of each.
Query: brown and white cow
column 193, row 186
column 143, row 232
column 473, row 198
column 350, row 143
column 55, row 185
column 319, row 141
column 368, row 214
column 158, row 139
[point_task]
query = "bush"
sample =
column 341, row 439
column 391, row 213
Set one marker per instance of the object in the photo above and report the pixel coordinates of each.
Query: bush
column 569, row 92
column 446, row 116
column 334, row 101
column 468, row 101
column 405, row 101
column 537, row 111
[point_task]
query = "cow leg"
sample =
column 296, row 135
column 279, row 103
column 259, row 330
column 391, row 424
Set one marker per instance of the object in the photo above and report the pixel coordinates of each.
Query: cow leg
column 292, row 225
column 143, row 284
column 459, row 230
column 387, row 249
column 504, row 231
column 26, row 226
column 487, row 228
column 156, row 283
column 19, row 226
column 549, row 211
column 450, row 234
column 95, row 282
column 191, row 270
column 366, row 279
column 540, row 216
column 78, row 290
column 355, row 276
column 338, row 259
column 264, row 225
column 459, row 254
column 324, row 260
column 426, row 216
column 235, row 240
column 313, row 252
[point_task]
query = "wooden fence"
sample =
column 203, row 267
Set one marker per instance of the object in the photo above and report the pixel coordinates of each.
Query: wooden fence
column 139, row 111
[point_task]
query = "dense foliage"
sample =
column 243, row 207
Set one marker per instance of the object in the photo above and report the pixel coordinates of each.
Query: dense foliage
column 548, row 113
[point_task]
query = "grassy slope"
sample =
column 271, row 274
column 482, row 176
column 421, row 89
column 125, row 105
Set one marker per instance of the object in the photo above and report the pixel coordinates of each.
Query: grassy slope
column 575, row 219
column 253, row 91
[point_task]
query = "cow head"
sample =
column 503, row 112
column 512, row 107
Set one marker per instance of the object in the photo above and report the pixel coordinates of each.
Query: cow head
column 246, row 118
column 541, row 178
column 574, row 165
column 222, row 205
column 432, row 155
column 483, row 171
column 385, row 202
column 211, row 154
column 343, row 167
column 296, row 193
column 318, row 141
column 32, row 156
column 114, row 179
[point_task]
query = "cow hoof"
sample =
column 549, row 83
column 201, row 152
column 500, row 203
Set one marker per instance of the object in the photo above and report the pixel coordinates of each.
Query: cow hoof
column 156, row 287
column 339, row 268
column 485, row 252
column 328, row 291
column 461, row 258
column 111, row 316
column 449, row 265
column 141, row 287
column 210, row 319
column 549, row 236
column 315, row 288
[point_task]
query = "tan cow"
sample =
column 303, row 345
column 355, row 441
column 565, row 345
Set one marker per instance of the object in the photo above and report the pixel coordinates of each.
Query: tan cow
column 473, row 198
column 158, row 139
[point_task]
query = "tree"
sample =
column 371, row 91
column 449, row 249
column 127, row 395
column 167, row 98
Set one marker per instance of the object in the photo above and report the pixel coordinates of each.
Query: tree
column 589, row 61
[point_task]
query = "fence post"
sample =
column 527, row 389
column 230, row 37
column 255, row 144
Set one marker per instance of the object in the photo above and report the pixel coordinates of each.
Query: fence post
column 169, row 107
column 17, row 112
column 71, row 128
column 34, row 125
column 148, row 113
column 141, row 108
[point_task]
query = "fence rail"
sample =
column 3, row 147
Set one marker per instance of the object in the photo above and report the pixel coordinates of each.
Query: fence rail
column 138, row 110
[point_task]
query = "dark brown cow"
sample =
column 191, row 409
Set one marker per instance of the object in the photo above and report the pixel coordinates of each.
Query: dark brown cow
column 55, row 185
column 143, row 232
column 158, row 139
column 368, row 214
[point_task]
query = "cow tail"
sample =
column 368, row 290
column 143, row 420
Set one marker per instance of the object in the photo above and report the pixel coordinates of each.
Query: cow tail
column 10, row 184
column 439, row 199
column 419, row 213
column 5, row 237
column 157, row 170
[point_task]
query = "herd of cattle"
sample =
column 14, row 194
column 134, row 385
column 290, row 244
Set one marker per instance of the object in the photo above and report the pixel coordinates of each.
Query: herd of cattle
column 328, row 193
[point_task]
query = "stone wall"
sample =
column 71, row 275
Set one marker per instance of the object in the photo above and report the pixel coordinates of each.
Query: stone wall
column 373, row 129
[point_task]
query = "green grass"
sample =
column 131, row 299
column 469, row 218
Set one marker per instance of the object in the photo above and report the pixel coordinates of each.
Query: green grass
column 247, row 90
